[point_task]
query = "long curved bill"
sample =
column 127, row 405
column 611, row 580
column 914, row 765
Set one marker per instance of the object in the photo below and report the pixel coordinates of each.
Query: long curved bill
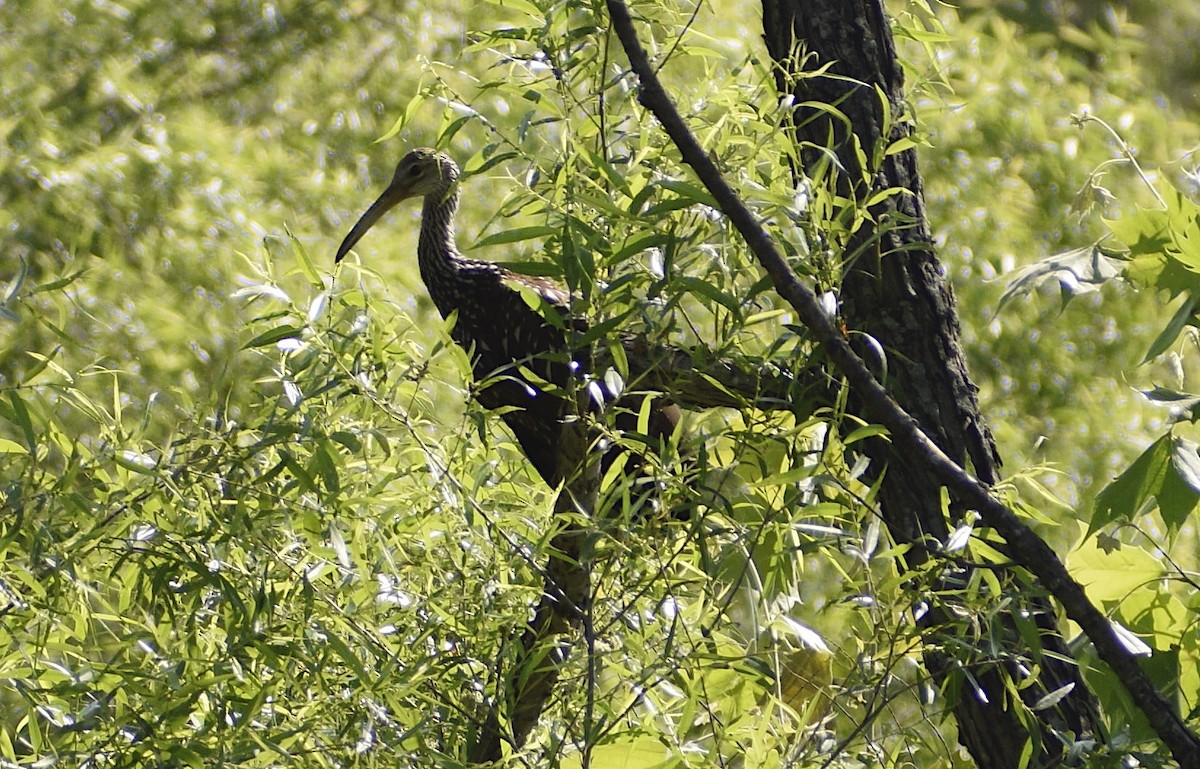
column 390, row 197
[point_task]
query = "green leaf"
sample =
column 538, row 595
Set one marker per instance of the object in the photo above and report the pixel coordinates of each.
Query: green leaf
column 524, row 6
column 1124, row 497
column 14, row 285
column 637, row 244
column 306, row 264
column 614, row 177
column 922, row 35
column 1112, row 576
column 136, row 461
column 1146, row 231
column 347, row 655
column 901, row 144
column 1182, row 317
column 1185, row 240
column 883, row 195
column 1167, row 473
column 449, row 130
column 709, row 291
column 1184, row 406
column 1181, row 490
column 410, row 111
column 515, row 235
column 763, row 317
column 274, row 335
column 1163, row 245
column 11, row 447
column 691, row 192
column 620, row 360
column 635, row 753
column 45, row 362
column 19, row 415
column 600, row 330
column 866, row 431
column 579, row 266
column 785, row 478
column 486, row 159
column 323, row 463
column 54, row 285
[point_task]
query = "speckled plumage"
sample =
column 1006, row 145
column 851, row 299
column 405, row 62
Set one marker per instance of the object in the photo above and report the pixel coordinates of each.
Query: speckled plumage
column 495, row 321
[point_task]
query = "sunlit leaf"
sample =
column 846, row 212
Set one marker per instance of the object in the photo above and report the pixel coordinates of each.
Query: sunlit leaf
column 11, row 447
column 1110, row 577
column 1133, row 645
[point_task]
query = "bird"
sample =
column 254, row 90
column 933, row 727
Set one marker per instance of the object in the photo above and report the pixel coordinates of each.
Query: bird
column 511, row 325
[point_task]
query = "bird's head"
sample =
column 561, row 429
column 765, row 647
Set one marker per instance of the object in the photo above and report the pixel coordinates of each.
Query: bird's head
column 422, row 173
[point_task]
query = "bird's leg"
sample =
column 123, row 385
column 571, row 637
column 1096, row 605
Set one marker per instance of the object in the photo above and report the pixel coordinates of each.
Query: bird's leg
column 566, row 596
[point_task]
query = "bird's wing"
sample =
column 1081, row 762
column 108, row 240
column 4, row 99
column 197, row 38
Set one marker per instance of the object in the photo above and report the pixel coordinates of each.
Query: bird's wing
column 545, row 289
column 546, row 298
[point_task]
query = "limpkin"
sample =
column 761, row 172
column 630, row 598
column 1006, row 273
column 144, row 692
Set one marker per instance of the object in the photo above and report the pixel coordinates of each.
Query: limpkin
column 495, row 323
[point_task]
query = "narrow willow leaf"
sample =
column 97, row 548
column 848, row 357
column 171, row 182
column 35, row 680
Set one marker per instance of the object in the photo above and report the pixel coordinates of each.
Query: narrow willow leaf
column 274, row 335
column 515, row 235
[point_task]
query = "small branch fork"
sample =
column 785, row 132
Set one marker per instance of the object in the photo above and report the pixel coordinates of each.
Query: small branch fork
column 1026, row 547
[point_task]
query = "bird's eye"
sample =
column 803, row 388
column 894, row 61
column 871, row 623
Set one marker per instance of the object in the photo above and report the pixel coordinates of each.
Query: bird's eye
column 414, row 171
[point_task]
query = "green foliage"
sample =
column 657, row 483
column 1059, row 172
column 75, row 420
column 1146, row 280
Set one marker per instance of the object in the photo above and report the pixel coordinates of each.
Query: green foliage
column 246, row 517
column 1007, row 161
column 250, row 513
column 1166, row 474
column 1145, row 598
column 1149, row 507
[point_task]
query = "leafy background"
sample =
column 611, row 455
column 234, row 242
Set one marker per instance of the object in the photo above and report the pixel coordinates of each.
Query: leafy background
column 250, row 513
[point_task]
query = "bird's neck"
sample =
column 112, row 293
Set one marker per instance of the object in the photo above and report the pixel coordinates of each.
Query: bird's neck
column 436, row 245
column 437, row 255
column 449, row 276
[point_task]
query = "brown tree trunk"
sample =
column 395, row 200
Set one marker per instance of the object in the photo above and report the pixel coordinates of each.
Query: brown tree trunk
column 894, row 292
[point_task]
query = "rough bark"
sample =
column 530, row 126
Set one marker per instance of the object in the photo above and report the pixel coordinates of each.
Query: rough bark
column 894, row 291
